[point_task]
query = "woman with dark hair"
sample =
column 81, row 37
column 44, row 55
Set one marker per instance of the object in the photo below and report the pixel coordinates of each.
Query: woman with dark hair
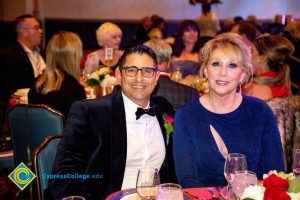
column 186, row 48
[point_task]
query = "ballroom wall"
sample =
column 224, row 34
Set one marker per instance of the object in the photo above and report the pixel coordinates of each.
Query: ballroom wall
column 135, row 9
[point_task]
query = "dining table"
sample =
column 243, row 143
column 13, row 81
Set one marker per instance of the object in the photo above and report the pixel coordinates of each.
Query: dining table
column 203, row 193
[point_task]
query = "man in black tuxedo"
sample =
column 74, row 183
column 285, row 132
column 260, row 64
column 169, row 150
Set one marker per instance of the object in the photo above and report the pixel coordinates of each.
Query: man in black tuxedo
column 176, row 93
column 105, row 137
column 21, row 62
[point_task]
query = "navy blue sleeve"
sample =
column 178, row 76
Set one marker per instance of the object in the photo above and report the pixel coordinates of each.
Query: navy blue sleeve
column 184, row 154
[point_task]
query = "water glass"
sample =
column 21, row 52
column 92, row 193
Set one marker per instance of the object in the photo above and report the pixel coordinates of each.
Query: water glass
column 296, row 162
column 234, row 162
column 169, row 191
column 242, row 180
column 147, row 182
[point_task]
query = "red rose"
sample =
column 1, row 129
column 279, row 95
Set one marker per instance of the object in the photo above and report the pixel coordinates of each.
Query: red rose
column 169, row 119
column 275, row 188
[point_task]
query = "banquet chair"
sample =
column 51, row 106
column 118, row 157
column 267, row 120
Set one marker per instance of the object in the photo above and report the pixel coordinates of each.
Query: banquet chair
column 43, row 159
column 287, row 114
column 29, row 125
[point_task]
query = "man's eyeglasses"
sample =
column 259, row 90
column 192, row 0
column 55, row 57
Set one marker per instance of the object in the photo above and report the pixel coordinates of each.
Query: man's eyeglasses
column 147, row 72
column 36, row 27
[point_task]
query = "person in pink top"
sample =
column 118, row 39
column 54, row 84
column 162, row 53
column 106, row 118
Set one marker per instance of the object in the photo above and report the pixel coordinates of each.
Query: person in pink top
column 271, row 73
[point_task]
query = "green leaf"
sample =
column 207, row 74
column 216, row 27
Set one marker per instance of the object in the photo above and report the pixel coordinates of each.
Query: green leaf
column 247, row 198
column 92, row 82
column 169, row 128
column 101, row 78
column 294, row 185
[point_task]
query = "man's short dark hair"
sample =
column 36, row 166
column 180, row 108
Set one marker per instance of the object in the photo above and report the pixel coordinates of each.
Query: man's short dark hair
column 138, row 49
column 20, row 19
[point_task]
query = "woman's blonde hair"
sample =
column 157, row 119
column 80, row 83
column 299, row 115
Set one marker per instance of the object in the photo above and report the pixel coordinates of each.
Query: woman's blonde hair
column 231, row 43
column 63, row 55
column 105, row 30
column 276, row 48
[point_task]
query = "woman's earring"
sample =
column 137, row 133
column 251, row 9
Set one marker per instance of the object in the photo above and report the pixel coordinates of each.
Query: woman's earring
column 239, row 88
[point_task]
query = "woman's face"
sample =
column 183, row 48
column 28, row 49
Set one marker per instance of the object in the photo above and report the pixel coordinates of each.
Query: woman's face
column 114, row 40
column 224, row 72
column 190, row 36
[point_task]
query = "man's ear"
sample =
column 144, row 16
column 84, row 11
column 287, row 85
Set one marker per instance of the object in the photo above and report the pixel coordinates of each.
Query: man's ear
column 169, row 64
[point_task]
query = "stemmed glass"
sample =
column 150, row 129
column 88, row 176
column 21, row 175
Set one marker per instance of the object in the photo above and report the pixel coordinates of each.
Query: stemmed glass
column 147, row 182
column 234, row 162
column 176, row 74
column 296, row 162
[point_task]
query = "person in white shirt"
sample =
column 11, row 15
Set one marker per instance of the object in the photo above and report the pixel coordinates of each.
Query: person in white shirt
column 21, row 62
column 114, row 136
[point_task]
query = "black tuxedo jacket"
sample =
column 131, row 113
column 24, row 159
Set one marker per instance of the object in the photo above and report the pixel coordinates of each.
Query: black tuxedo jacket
column 16, row 70
column 95, row 142
column 176, row 93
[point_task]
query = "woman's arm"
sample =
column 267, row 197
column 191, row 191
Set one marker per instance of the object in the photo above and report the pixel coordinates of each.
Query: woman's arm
column 184, row 154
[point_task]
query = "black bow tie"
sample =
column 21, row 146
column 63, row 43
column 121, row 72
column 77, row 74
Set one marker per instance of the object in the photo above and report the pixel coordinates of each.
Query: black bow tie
column 141, row 111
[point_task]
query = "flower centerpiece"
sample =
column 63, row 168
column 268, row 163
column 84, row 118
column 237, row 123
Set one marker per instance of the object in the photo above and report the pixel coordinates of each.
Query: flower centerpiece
column 102, row 79
column 276, row 186
column 168, row 124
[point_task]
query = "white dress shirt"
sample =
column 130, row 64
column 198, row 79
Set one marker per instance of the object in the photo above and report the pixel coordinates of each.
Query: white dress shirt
column 145, row 143
column 36, row 60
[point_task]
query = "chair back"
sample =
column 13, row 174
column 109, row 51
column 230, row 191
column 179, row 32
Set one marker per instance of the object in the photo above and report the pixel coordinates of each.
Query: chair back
column 29, row 125
column 287, row 114
column 43, row 159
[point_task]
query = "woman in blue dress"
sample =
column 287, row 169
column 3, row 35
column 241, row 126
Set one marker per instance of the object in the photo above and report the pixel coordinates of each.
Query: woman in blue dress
column 223, row 121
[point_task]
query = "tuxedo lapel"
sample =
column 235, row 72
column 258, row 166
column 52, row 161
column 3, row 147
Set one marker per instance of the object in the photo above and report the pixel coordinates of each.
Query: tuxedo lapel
column 23, row 57
column 159, row 116
column 118, row 140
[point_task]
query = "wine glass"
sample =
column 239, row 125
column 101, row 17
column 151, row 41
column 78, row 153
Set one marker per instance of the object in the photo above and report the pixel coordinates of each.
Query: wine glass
column 234, row 162
column 169, row 191
column 296, row 162
column 176, row 74
column 147, row 182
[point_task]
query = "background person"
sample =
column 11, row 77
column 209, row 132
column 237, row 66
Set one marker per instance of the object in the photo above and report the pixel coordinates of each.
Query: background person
column 141, row 34
column 272, row 74
column 208, row 22
column 109, row 35
column 176, row 93
column 223, row 121
column 59, row 85
column 186, row 49
column 21, row 62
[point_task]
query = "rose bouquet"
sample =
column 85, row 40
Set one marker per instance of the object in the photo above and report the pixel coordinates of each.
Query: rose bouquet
column 101, row 82
column 276, row 186
column 100, row 77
